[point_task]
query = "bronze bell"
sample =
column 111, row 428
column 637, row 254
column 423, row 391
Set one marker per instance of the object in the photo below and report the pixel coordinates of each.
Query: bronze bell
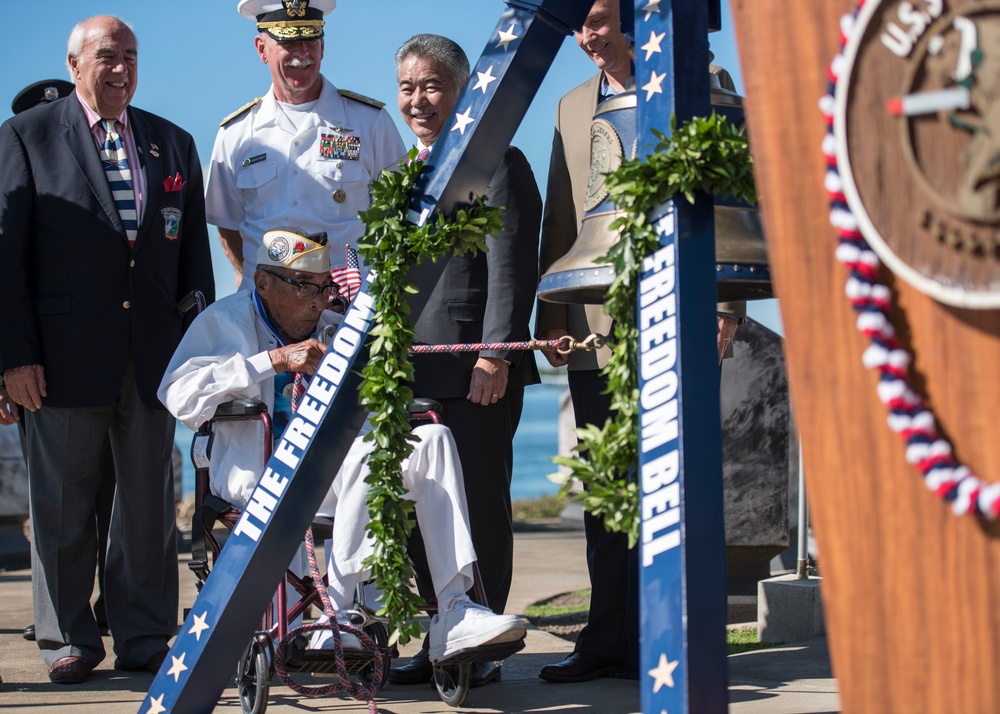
column 740, row 250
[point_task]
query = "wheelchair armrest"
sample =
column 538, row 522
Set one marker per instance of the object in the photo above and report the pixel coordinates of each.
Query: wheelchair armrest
column 240, row 408
column 421, row 405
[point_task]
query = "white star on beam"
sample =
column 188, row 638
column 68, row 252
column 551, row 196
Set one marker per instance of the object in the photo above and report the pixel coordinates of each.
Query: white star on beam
column 653, row 86
column 463, row 120
column 653, row 46
column 651, row 7
column 663, row 673
column 199, row 625
column 177, row 667
column 507, row 37
column 156, row 705
column 484, row 79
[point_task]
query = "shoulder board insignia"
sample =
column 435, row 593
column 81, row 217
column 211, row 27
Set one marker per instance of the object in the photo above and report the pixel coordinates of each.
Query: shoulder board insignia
column 361, row 98
column 239, row 112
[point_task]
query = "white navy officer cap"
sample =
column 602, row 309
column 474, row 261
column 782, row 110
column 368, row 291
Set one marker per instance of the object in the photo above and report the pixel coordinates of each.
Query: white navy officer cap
column 288, row 20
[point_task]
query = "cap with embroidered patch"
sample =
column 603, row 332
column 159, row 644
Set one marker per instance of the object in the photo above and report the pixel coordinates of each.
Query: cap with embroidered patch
column 295, row 249
column 288, row 20
column 48, row 90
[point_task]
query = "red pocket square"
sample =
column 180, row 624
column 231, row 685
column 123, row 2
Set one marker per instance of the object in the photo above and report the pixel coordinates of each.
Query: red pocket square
column 174, row 183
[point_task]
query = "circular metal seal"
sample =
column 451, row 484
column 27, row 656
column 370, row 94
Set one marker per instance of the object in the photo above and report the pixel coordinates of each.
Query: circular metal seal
column 917, row 124
column 605, row 157
column 278, row 250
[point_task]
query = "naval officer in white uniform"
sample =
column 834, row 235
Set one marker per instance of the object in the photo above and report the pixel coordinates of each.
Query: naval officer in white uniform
column 303, row 154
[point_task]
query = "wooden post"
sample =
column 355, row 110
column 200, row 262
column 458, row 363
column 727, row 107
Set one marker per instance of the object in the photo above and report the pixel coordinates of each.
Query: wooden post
column 910, row 590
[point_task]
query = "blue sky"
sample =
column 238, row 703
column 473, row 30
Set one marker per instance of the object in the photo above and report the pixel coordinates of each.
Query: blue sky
column 197, row 62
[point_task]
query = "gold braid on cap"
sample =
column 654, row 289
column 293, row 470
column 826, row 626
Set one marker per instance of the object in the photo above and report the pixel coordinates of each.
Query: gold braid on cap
column 293, row 29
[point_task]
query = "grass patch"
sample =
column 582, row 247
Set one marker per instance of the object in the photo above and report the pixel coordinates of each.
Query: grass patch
column 746, row 641
column 568, row 603
column 548, row 615
column 543, row 508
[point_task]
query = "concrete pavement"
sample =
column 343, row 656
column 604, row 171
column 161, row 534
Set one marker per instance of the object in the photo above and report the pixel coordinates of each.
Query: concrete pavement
column 547, row 562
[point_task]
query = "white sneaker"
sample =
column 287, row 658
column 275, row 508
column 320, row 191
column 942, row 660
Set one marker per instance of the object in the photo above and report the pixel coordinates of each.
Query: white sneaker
column 463, row 625
column 323, row 639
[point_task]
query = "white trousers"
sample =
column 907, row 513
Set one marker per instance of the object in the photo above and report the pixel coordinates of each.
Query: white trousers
column 432, row 476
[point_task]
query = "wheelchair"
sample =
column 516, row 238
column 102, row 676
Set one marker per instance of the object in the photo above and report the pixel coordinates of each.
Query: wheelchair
column 264, row 654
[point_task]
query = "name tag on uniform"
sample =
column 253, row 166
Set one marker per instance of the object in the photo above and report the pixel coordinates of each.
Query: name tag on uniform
column 338, row 143
column 254, row 160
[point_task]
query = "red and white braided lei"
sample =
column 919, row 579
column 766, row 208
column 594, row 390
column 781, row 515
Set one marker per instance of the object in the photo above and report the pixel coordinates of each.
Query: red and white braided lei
column 908, row 416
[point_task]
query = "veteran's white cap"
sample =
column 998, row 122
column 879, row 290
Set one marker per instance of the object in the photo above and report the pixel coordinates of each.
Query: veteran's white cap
column 295, row 249
column 288, row 20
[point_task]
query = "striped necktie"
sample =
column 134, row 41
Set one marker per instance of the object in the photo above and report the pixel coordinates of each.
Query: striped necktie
column 424, row 153
column 120, row 178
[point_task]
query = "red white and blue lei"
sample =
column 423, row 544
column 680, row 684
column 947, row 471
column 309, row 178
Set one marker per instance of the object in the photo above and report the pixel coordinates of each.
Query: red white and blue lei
column 909, row 416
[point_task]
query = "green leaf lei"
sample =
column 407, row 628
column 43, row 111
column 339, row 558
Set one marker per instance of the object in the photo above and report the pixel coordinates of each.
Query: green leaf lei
column 391, row 245
column 705, row 155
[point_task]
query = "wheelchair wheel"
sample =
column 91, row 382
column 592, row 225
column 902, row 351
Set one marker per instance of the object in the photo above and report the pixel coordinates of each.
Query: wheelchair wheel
column 253, row 678
column 452, row 682
column 378, row 632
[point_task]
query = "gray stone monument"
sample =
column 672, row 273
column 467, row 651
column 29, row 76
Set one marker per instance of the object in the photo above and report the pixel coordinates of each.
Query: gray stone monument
column 758, row 455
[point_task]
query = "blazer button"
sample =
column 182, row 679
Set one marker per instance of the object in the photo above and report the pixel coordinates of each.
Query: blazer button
column 131, row 264
column 126, row 304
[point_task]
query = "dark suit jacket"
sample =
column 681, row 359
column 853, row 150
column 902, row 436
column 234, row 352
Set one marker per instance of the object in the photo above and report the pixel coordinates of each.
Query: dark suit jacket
column 77, row 299
column 487, row 298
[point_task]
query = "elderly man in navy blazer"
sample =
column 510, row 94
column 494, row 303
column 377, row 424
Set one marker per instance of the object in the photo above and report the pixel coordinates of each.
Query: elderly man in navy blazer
column 102, row 232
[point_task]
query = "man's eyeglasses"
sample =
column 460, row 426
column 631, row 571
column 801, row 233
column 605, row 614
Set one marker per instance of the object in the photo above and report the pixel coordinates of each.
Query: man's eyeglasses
column 309, row 291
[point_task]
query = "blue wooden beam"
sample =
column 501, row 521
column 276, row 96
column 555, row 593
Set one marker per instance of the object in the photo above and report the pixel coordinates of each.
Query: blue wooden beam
column 682, row 536
column 225, row 615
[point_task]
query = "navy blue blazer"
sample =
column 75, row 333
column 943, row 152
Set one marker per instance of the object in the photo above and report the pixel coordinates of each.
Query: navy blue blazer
column 77, row 299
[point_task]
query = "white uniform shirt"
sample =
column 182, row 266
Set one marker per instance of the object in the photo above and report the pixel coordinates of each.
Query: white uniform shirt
column 266, row 172
column 223, row 356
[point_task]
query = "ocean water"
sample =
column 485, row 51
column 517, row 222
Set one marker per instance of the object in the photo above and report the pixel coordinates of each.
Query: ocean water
column 535, row 443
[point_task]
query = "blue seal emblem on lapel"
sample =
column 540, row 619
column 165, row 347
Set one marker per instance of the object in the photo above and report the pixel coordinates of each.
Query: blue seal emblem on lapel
column 171, row 222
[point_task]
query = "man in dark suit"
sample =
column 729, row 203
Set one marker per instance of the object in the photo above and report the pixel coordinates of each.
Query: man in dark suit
column 487, row 298
column 94, row 273
column 49, row 90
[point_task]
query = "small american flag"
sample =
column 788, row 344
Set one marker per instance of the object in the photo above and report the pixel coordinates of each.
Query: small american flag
column 349, row 277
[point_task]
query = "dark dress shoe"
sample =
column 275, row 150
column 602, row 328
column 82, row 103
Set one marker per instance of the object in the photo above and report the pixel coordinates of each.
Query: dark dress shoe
column 152, row 665
column 69, row 670
column 485, row 673
column 581, row 667
column 417, row 671
column 29, row 633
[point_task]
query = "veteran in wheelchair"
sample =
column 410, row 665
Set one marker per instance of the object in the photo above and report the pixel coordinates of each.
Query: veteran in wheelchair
column 261, row 345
